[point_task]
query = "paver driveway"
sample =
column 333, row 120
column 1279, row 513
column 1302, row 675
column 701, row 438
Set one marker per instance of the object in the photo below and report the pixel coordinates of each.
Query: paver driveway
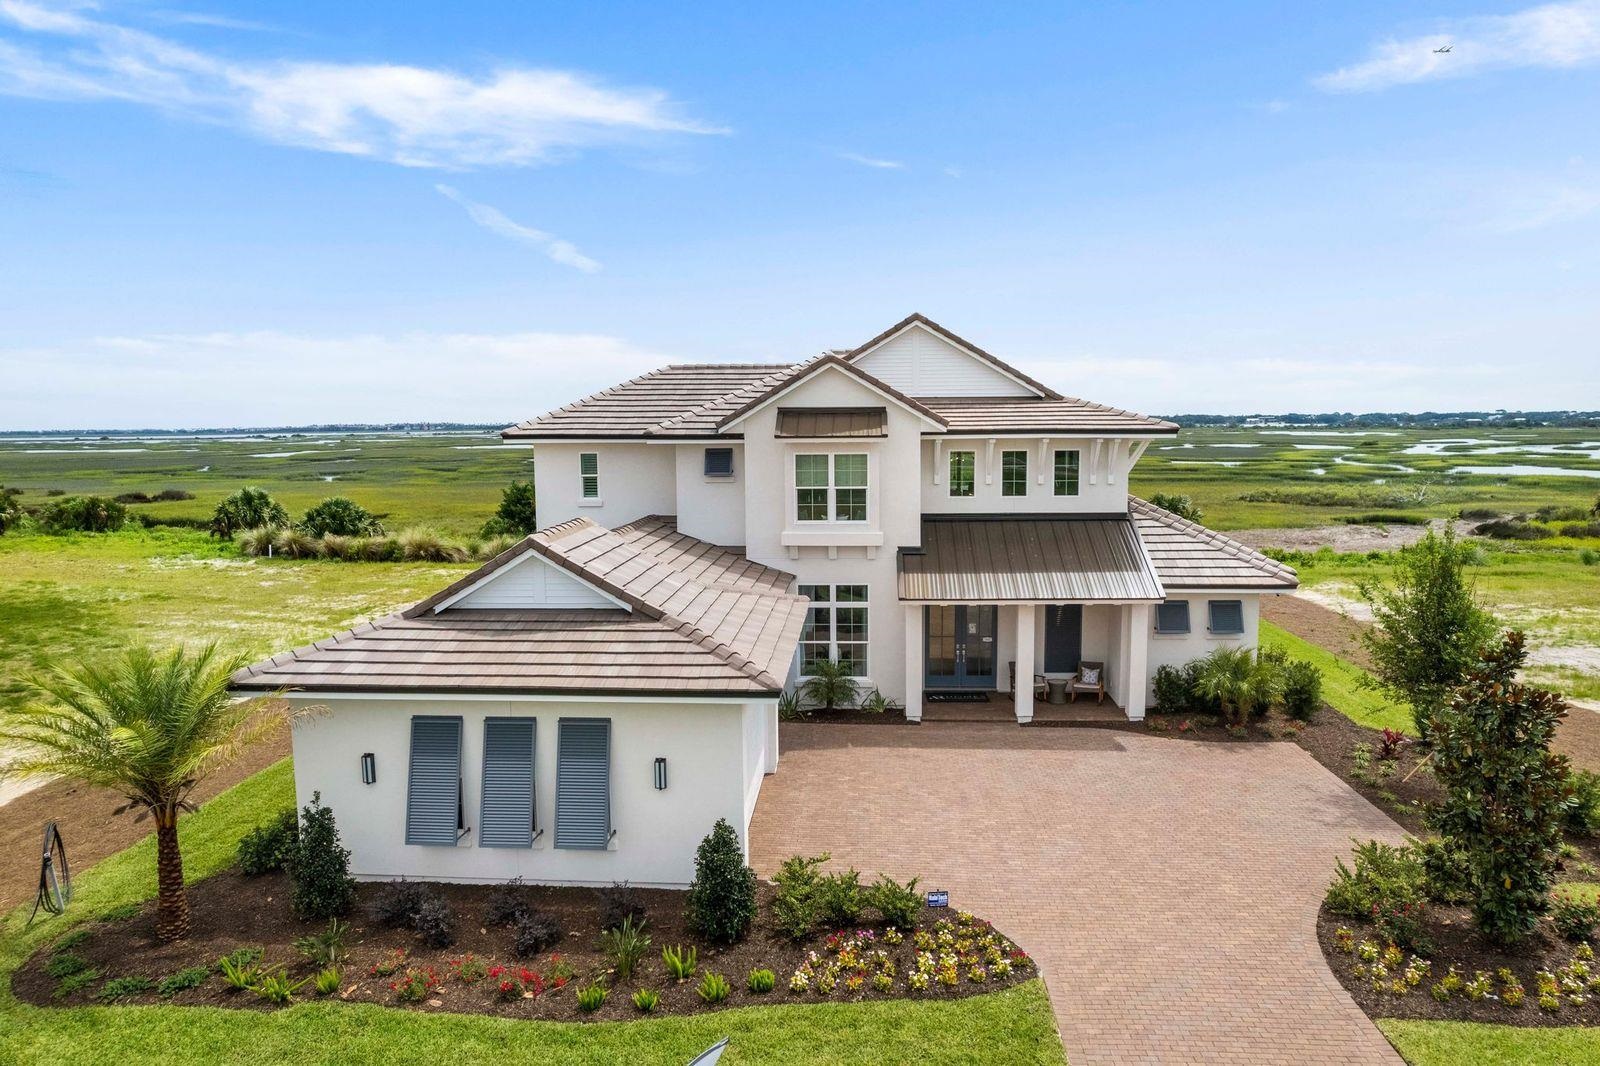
column 1167, row 888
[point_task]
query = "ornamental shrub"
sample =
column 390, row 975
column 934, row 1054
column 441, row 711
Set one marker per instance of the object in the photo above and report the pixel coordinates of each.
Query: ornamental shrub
column 507, row 903
column 840, row 900
column 794, row 909
column 722, row 898
column 1385, row 876
column 318, row 866
column 1302, row 689
column 397, row 904
column 1448, row 869
column 10, row 509
column 340, row 516
column 249, row 508
column 1181, row 505
column 535, row 931
column 517, row 514
column 1583, row 813
column 1575, row 918
column 898, row 904
column 83, row 514
column 1506, row 792
column 435, row 922
column 619, row 902
column 270, row 846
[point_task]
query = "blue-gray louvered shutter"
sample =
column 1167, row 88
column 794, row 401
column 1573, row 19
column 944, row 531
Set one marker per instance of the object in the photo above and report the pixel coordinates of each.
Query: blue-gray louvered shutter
column 433, row 795
column 506, row 820
column 1227, row 616
column 583, row 783
column 1172, row 617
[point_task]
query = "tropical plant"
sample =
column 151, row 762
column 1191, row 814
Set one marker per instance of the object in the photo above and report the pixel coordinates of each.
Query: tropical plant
column 150, row 727
column 1506, row 792
column 714, row 988
column 625, row 946
column 591, row 996
column 517, row 513
column 268, row 847
column 341, row 516
column 761, row 981
column 1241, row 681
column 327, row 981
column 645, row 1000
column 1428, row 627
column 680, row 962
column 877, row 703
column 789, row 707
column 83, row 514
column 248, row 508
column 318, row 867
column 327, row 947
column 721, row 902
column 898, row 904
column 1181, row 505
column 830, row 683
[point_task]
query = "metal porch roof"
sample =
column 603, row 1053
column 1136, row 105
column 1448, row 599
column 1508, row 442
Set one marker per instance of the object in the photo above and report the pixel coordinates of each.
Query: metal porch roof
column 1048, row 559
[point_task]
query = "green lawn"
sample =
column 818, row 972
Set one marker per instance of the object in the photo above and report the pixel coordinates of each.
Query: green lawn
column 1476, row 1044
column 1013, row 1026
column 1341, row 683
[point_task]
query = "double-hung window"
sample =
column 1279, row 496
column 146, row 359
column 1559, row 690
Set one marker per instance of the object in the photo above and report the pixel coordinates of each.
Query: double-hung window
column 507, row 816
column 589, row 475
column 1014, row 473
column 433, row 790
column 963, row 469
column 1227, row 617
column 1066, row 479
column 583, row 783
column 1172, row 617
column 830, row 487
column 836, row 627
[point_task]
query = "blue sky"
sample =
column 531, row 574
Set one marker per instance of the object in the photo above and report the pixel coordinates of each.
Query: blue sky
column 221, row 214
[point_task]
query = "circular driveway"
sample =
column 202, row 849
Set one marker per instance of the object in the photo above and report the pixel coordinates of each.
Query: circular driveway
column 1167, row 888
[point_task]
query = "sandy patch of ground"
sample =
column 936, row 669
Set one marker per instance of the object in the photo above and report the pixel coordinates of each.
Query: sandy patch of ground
column 1342, row 538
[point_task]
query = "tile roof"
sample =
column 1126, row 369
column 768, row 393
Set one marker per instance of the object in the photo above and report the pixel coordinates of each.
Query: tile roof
column 1190, row 556
column 1046, row 559
column 675, row 401
column 833, row 422
column 704, row 620
column 1064, row 417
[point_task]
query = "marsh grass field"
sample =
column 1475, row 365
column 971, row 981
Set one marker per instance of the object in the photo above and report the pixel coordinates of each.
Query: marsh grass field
column 84, row 594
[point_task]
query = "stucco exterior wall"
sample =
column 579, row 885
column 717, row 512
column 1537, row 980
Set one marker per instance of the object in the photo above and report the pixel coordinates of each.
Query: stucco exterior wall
column 635, row 480
column 709, row 508
column 711, row 774
column 1177, row 649
column 1102, row 487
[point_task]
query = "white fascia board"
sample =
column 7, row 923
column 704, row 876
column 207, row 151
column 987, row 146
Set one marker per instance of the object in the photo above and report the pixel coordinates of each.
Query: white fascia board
column 531, row 553
column 997, row 367
column 831, row 368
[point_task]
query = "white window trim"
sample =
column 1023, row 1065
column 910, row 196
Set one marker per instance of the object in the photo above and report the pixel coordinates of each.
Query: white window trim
column 1053, row 456
column 973, row 483
column 585, row 500
column 796, row 522
column 833, row 604
column 1025, row 487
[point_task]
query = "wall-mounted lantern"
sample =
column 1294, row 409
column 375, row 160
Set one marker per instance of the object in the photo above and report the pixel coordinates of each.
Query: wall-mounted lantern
column 661, row 773
column 369, row 768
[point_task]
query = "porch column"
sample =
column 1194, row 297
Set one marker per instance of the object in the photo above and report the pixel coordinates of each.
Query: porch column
column 914, row 666
column 1135, row 658
column 1022, row 697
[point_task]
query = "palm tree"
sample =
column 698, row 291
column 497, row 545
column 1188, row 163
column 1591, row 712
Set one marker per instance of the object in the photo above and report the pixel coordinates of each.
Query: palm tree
column 1241, row 681
column 830, row 683
column 149, row 726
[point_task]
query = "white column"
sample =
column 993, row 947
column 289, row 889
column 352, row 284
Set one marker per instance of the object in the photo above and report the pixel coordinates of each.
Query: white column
column 914, row 665
column 770, row 711
column 1135, row 654
column 1024, row 656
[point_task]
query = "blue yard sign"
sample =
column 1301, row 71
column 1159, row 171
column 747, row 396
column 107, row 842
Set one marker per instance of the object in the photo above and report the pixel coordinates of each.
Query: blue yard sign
column 939, row 898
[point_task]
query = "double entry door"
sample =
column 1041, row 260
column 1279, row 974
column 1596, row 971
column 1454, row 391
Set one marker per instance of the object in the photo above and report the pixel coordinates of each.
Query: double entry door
column 960, row 650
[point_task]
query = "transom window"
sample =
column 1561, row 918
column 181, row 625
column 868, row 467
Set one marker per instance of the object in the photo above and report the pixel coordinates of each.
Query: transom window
column 1066, row 472
column 830, row 487
column 836, row 627
column 589, row 474
column 963, row 468
column 1013, row 473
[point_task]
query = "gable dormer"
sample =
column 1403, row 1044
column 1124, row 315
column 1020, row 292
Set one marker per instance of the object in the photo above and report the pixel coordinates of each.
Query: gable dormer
column 919, row 357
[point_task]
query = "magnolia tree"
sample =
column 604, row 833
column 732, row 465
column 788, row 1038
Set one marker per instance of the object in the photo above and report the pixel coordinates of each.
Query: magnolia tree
column 1506, row 793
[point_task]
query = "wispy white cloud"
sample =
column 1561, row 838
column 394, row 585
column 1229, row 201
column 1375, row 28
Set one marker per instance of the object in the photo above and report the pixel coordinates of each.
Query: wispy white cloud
column 495, row 221
column 1544, row 204
column 259, row 378
column 214, row 21
column 872, row 161
column 413, row 116
column 1549, row 36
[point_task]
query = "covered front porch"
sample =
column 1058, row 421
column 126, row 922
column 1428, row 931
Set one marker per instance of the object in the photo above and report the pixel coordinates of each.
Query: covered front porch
column 982, row 661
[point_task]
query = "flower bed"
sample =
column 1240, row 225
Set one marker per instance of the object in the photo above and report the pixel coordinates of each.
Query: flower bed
column 944, row 954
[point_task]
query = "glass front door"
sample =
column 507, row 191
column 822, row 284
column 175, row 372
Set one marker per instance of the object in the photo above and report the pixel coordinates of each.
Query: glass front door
column 960, row 646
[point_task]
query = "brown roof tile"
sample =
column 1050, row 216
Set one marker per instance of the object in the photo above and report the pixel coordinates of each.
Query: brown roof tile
column 1190, row 556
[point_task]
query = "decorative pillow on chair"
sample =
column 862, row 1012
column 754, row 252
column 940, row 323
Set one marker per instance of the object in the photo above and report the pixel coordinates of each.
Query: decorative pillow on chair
column 1089, row 675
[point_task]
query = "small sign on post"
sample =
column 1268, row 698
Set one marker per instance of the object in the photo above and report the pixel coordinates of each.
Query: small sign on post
column 939, row 898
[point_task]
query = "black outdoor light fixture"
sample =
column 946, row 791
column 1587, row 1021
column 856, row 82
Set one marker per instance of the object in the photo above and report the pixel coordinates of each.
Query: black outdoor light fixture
column 661, row 773
column 369, row 768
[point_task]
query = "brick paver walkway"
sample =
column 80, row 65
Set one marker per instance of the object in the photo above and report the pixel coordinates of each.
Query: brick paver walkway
column 1167, row 888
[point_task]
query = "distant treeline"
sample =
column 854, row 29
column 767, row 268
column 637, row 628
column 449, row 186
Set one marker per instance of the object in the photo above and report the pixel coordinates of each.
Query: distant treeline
column 1390, row 419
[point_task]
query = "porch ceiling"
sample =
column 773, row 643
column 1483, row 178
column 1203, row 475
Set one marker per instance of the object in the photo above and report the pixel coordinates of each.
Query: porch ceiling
column 1051, row 560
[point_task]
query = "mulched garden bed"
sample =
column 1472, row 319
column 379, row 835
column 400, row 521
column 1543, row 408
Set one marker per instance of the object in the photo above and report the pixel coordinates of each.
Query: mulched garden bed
column 1457, row 946
column 231, row 911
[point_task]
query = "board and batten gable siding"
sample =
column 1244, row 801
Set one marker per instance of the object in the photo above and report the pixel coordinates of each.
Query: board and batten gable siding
column 657, row 832
column 918, row 362
column 533, row 582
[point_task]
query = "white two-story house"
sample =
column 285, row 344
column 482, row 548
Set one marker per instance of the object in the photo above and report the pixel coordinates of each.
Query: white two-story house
column 583, row 707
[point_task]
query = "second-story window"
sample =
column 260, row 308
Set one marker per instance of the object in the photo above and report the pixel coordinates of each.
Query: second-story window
column 1067, row 472
column 830, row 486
column 589, row 474
column 963, row 467
column 1013, row 473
